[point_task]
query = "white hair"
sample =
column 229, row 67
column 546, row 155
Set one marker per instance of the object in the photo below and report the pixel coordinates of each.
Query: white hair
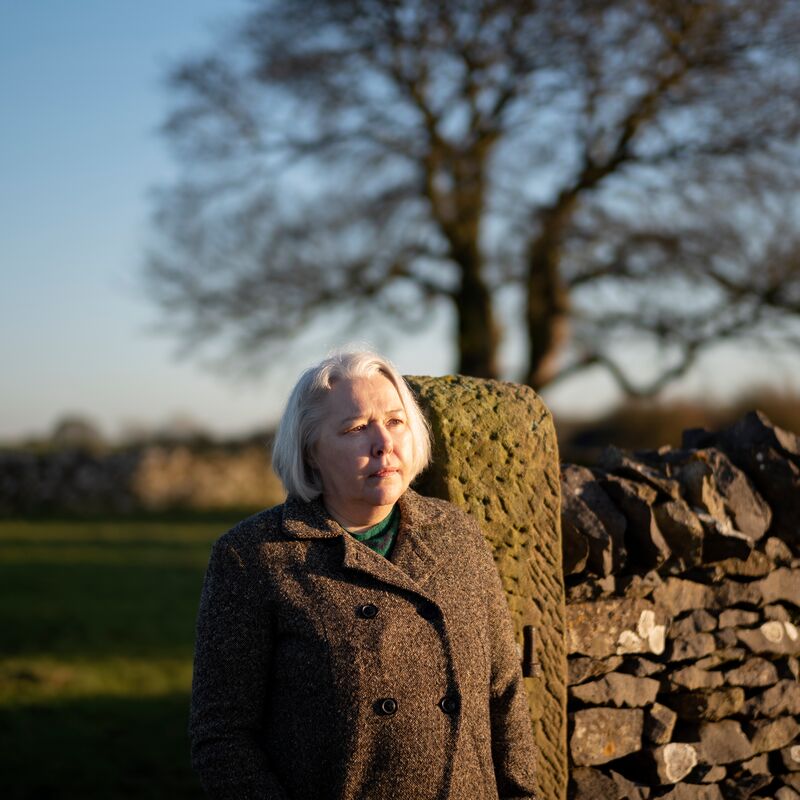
column 299, row 426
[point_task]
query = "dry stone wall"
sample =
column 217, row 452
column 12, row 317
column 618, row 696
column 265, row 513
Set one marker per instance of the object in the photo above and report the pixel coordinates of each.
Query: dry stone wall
column 683, row 594
column 136, row 479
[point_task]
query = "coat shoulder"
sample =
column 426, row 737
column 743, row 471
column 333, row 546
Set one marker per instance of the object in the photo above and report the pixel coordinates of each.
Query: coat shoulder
column 451, row 522
column 258, row 528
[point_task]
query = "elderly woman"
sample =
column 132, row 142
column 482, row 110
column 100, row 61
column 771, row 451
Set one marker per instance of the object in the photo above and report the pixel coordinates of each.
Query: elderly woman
column 355, row 641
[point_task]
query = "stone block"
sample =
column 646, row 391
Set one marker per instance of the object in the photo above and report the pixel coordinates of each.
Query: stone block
column 766, row 735
column 617, row 689
column 706, row 705
column 753, row 673
column 659, row 722
column 773, row 637
column 644, row 541
column 601, row 735
column 723, row 743
column 495, row 455
column 677, row 595
column 584, row 668
column 615, row 627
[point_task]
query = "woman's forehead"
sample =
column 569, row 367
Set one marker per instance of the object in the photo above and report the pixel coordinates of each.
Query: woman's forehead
column 364, row 394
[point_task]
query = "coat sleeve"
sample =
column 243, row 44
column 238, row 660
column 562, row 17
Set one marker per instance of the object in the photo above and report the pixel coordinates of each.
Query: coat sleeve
column 513, row 747
column 231, row 662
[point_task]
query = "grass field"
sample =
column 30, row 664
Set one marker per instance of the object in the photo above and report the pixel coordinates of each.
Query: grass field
column 96, row 637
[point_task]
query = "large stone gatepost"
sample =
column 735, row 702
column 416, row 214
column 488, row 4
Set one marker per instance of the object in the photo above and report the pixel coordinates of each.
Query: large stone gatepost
column 495, row 455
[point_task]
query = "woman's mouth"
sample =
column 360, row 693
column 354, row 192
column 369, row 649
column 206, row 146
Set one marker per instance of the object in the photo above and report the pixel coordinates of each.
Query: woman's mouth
column 385, row 472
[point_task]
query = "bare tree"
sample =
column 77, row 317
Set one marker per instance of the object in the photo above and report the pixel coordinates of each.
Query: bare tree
column 630, row 166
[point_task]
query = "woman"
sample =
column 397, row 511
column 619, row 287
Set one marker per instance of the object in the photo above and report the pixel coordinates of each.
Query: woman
column 355, row 641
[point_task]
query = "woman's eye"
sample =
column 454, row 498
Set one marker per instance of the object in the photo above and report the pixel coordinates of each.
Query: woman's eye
column 356, row 428
column 395, row 421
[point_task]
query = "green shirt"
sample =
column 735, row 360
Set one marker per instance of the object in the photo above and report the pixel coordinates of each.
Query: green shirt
column 380, row 537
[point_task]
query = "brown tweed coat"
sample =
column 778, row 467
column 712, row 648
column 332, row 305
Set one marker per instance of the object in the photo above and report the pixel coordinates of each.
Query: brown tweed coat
column 324, row 671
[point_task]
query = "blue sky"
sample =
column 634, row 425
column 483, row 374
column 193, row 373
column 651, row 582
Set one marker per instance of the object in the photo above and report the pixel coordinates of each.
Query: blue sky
column 81, row 92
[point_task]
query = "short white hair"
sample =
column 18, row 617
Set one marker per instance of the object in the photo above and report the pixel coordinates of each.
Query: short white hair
column 299, row 426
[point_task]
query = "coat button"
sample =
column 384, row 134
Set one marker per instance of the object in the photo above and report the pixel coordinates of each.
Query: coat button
column 449, row 704
column 428, row 611
column 386, row 706
column 368, row 610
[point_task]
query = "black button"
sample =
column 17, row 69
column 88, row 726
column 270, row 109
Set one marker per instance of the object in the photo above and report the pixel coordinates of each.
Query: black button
column 449, row 704
column 428, row 611
column 368, row 610
column 386, row 706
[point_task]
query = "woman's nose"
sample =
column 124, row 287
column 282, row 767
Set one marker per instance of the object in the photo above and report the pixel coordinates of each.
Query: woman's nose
column 382, row 443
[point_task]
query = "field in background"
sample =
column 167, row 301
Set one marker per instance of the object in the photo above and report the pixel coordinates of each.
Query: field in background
column 96, row 637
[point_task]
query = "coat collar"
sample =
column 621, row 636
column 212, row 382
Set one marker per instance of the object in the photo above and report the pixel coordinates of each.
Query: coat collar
column 413, row 560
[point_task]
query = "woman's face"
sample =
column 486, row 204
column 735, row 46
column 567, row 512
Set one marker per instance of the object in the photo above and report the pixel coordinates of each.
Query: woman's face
column 364, row 450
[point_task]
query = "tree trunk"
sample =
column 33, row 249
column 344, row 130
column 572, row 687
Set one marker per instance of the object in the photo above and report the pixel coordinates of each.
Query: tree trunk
column 547, row 297
column 478, row 335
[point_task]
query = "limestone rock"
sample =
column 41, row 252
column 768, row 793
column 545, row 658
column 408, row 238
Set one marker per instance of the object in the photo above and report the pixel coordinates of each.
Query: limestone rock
column 676, row 595
column 782, row 584
column 737, row 618
column 743, row 505
column 731, row 593
column 574, row 546
column 722, row 743
column 589, row 510
column 758, row 765
column 744, row 786
column 786, row 793
column 603, row 734
column 618, row 690
column 720, row 657
column 726, row 638
column 583, row 668
column 682, row 531
column 765, row 453
column 782, row 698
column 629, row 790
column 614, row 627
column 612, row 459
column 591, row 784
column 777, row 551
column 674, row 761
column 754, row 672
column 639, row 585
column 755, row 565
column 706, row 705
column 790, row 756
column 776, row 611
column 659, row 722
column 692, row 791
column 694, row 646
column 642, row 667
column 698, row 621
column 644, row 542
column 693, row 677
column 766, row 735
column 774, row 636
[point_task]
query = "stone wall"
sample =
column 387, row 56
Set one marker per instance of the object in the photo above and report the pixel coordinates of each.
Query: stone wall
column 137, row 479
column 683, row 595
column 495, row 455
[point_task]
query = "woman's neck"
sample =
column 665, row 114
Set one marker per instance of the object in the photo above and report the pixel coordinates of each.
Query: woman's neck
column 356, row 522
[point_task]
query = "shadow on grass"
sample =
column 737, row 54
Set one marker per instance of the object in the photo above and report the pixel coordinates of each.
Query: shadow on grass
column 107, row 609
column 99, row 748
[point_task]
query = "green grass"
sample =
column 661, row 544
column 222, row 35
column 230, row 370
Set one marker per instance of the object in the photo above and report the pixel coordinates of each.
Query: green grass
column 96, row 637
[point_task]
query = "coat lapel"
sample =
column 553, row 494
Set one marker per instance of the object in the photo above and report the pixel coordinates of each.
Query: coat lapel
column 412, row 563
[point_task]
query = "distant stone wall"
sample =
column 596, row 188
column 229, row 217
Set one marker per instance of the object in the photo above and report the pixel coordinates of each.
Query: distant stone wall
column 150, row 478
column 683, row 596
